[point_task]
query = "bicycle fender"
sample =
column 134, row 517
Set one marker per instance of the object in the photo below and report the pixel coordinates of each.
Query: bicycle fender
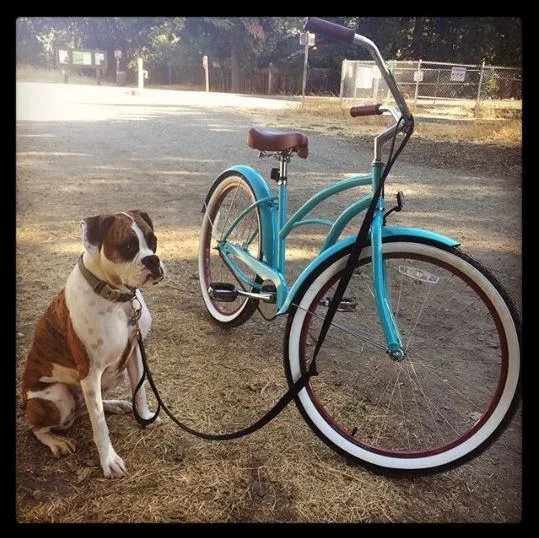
column 425, row 236
column 388, row 234
column 261, row 190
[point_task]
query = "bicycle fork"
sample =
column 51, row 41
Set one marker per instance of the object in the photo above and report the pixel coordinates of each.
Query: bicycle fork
column 381, row 291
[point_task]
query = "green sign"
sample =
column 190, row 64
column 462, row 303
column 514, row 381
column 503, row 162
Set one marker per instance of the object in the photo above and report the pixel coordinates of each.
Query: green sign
column 81, row 57
column 96, row 59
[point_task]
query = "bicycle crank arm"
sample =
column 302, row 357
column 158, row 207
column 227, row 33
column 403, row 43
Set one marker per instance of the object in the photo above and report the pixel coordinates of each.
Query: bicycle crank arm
column 346, row 304
column 226, row 293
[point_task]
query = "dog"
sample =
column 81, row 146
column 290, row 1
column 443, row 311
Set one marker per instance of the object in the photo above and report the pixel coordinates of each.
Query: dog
column 87, row 339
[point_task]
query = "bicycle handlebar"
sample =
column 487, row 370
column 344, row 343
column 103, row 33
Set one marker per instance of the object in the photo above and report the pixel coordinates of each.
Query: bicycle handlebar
column 349, row 36
column 366, row 110
column 329, row 28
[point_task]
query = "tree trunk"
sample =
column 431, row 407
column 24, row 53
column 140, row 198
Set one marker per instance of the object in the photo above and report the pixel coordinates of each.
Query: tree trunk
column 418, row 38
column 235, row 61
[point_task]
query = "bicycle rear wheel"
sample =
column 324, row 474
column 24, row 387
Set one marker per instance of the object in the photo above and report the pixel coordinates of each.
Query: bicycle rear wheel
column 458, row 385
column 230, row 197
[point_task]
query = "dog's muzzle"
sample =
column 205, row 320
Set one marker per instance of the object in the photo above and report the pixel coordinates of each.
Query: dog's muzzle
column 153, row 264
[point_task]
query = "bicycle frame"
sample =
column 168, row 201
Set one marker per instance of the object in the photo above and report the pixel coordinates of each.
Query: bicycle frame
column 276, row 228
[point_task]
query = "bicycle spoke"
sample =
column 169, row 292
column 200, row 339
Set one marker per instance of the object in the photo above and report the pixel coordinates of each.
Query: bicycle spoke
column 435, row 373
column 245, row 236
column 431, row 406
column 436, row 337
column 417, row 318
column 456, row 332
column 387, row 407
column 229, row 209
column 342, row 328
column 367, row 317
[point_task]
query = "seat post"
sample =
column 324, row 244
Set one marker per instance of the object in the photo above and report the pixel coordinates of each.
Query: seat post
column 284, row 159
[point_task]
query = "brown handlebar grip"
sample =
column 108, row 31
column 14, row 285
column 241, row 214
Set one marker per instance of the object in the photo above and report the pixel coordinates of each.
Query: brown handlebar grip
column 320, row 26
column 365, row 110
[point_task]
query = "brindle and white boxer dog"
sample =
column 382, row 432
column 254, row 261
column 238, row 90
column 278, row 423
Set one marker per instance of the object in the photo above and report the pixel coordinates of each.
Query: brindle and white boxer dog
column 86, row 340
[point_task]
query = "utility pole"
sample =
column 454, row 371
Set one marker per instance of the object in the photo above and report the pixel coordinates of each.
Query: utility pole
column 206, row 69
column 118, row 56
column 478, row 99
column 306, row 39
column 142, row 74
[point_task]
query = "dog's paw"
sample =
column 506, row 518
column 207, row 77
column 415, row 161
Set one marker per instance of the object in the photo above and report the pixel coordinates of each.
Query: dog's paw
column 147, row 415
column 58, row 444
column 117, row 407
column 61, row 446
column 113, row 466
column 156, row 422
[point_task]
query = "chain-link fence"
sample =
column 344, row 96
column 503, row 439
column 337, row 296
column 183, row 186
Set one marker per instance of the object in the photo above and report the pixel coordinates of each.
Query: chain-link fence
column 432, row 82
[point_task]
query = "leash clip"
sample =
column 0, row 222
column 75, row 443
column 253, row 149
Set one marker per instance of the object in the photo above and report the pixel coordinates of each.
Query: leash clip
column 137, row 311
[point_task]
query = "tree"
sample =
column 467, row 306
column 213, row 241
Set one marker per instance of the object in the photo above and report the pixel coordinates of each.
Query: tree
column 37, row 38
column 236, row 44
column 240, row 44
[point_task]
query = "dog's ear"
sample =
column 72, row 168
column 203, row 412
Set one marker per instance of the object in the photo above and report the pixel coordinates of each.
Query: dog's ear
column 144, row 216
column 93, row 230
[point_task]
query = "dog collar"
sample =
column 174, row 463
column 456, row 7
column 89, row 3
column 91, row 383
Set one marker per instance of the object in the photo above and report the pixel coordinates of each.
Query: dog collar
column 104, row 289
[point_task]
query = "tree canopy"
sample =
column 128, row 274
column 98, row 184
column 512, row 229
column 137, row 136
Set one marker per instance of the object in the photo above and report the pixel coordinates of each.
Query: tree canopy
column 240, row 44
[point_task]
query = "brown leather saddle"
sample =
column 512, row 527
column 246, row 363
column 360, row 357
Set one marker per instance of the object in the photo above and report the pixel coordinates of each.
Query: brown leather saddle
column 264, row 139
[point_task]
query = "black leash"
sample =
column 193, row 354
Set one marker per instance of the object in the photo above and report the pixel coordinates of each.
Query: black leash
column 271, row 414
column 303, row 380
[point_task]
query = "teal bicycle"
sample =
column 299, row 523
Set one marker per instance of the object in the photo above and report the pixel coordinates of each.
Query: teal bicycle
column 420, row 365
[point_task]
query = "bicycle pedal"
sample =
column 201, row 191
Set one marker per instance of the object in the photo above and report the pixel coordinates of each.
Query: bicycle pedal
column 268, row 287
column 222, row 292
column 227, row 293
column 346, row 304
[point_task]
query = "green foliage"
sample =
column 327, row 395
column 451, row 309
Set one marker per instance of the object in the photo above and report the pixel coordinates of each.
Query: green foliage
column 237, row 45
column 153, row 38
column 37, row 38
column 497, row 40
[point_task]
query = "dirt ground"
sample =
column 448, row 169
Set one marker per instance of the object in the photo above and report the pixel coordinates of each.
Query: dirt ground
column 86, row 150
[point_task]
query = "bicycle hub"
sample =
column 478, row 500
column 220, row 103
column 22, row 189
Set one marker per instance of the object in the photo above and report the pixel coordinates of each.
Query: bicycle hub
column 397, row 355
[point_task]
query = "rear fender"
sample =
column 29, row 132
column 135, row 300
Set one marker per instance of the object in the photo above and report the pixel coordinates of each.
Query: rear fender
column 261, row 191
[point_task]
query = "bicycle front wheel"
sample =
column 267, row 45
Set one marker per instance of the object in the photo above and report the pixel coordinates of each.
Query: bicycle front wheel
column 455, row 390
column 229, row 199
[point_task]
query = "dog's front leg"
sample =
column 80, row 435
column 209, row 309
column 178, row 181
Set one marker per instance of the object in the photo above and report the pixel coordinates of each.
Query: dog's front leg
column 134, row 371
column 112, row 465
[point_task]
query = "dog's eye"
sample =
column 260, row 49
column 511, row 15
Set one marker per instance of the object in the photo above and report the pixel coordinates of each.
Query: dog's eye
column 129, row 248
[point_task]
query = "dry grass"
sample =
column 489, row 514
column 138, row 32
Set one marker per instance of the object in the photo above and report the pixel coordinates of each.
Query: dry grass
column 493, row 125
column 507, row 132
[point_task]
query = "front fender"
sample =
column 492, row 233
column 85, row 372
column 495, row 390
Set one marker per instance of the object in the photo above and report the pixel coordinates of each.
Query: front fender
column 261, row 191
column 388, row 234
